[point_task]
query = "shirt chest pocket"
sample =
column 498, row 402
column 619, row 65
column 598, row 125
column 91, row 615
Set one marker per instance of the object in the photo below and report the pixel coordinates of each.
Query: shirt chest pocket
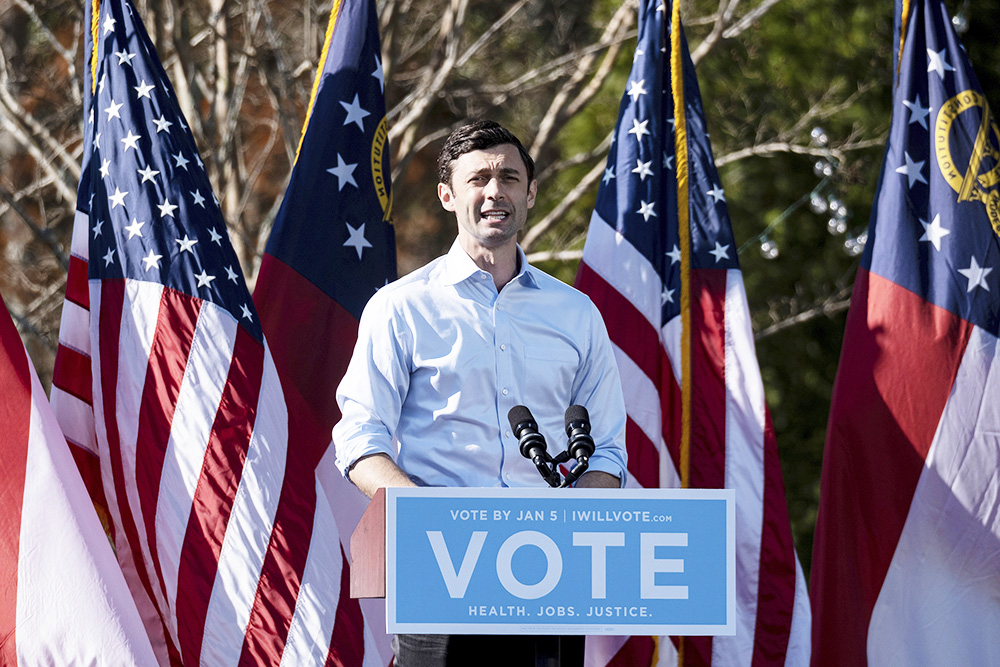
column 550, row 371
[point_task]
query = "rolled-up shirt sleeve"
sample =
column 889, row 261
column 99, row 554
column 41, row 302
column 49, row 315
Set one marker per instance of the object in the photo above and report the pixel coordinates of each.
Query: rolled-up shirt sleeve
column 373, row 389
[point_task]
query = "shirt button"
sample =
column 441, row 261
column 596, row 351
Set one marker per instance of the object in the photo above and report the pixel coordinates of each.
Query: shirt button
column 507, row 433
column 503, row 347
column 504, row 392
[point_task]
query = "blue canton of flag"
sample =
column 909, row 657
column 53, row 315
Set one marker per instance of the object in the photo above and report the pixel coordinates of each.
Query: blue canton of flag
column 638, row 194
column 154, row 216
column 333, row 225
column 942, row 165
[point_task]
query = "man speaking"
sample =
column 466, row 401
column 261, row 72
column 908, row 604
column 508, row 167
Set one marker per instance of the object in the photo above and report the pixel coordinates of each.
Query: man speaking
column 445, row 353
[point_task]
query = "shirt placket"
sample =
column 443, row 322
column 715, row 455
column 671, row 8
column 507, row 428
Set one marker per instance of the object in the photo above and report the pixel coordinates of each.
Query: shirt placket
column 507, row 390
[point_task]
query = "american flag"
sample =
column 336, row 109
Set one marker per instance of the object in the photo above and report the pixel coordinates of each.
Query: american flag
column 172, row 387
column 660, row 263
column 65, row 600
column 905, row 567
column 330, row 248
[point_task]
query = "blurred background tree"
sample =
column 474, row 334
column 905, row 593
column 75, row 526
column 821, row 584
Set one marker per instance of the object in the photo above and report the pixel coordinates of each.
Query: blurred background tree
column 797, row 96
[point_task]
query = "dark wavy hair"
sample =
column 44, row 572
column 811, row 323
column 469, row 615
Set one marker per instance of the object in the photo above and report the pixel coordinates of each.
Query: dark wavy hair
column 478, row 136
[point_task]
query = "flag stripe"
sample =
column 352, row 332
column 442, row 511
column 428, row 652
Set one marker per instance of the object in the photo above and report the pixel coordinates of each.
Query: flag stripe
column 708, row 363
column 77, row 291
column 15, row 379
column 206, row 477
column 166, row 369
column 74, row 368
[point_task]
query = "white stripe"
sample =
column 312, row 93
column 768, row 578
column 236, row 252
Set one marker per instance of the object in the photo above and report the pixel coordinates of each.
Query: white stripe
column 76, row 419
column 624, row 268
column 744, row 467
column 80, row 243
column 250, row 525
column 316, row 607
column 74, row 324
column 799, row 640
column 73, row 606
column 197, row 403
column 940, row 601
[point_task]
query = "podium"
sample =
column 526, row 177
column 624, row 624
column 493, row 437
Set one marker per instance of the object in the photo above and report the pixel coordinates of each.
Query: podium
column 549, row 561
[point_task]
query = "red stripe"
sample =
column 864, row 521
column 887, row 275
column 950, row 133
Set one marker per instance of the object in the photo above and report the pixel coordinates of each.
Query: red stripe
column 77, row 289
column 72, row 374
column 629, row 329
column 216, row 489
column 292, row 309
column 15, row 416
column 708, row 379
column 109, row 326
column 168, row 360
column 899, row 361
column 776, row 581
column 89, row 465
column 635, row 652
column 347, row 645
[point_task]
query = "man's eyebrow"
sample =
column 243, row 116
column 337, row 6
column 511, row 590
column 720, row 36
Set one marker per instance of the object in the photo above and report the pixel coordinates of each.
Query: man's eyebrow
column 503, row 171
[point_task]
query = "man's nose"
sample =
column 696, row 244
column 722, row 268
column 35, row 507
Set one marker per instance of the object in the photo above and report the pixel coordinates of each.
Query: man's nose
column 493, row 189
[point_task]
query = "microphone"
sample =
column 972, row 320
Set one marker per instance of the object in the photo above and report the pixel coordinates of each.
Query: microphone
column 581, row 444
column 530, row 441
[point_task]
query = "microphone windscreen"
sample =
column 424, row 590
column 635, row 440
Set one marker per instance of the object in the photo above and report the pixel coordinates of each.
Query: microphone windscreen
column 518, row 415
column 578, row 414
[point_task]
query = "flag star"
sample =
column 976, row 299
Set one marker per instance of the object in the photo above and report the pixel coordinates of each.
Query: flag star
column 609, row 173
column 147, row 174
column 117, row 199
column 639, row 129
column 90, row 117
column 344, row 173
column 357, row 238
column 638, row 54
column 642, row 168
column 124, row 57
column 938, row 63
column 197, row 161
column 135, row 229
column 103, row 81
column 666, row 296
column 720, row 253
column 97, row 228
column 673, row 125
column 934, row 232
column 109, row 24
column 180, row 161
column 152, row 260
column 668, row 161
column 674, row 255
column 636, row 89
column 198, row 199
column 112, row 110
column 246, row 312
column 162, row 125
column 216, row 236
column 379, row 74
column 186, row 244
column 918, row 113
column 203, row 278
column 110, row 257
column 231, row 275
column 912, row 170
column 131, row 141
column 97, row 140
column 143, row 89
column 716, row 193
column 976, row 275
column 166, row 208
column 355, row 114
column 646, row 210
column 104, row 167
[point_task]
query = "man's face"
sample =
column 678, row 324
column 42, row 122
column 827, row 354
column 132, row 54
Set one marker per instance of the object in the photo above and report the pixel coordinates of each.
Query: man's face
column 490, row 195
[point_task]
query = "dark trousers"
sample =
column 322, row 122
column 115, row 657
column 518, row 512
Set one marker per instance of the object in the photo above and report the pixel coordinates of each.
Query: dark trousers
column 487, row 650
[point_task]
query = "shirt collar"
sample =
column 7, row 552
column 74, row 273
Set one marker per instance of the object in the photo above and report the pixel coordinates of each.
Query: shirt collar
column 459, row 266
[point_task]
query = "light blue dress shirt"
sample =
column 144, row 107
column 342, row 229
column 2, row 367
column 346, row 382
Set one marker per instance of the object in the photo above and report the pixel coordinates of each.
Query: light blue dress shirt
column 441, row 359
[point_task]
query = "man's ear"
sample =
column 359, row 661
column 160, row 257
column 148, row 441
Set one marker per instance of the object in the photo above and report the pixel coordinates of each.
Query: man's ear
column 532, row 191
column 446, row 196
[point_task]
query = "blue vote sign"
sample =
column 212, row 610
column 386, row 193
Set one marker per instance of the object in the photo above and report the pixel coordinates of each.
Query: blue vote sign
column 560, row 561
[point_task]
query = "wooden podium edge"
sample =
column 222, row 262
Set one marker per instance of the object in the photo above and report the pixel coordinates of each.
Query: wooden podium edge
column 368, row 551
